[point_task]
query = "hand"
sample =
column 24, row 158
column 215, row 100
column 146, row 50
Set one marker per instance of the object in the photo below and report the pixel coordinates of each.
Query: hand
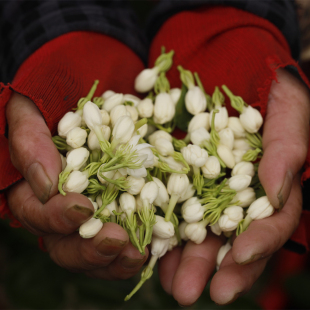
column 185, row 272
column 35, row 202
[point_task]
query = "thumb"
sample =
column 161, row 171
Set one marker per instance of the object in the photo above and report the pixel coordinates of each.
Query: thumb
column 285, row 137
column 32, row 150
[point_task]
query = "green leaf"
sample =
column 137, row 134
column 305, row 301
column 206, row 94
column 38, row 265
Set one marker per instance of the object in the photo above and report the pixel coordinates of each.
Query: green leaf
column 182, row 116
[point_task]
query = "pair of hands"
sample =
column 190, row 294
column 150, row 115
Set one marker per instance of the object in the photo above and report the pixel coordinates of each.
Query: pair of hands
column 184, row 272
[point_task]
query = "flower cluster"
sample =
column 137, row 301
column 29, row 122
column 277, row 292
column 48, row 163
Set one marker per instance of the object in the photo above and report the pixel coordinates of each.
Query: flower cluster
column 120, row 152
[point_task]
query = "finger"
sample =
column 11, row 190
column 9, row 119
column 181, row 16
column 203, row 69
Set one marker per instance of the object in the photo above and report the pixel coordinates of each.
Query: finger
column 285, row 137
column 167, row 267
column 233, row 280
column 61, row 214
column 196, row 267
column 264, row 237
column 32, row 151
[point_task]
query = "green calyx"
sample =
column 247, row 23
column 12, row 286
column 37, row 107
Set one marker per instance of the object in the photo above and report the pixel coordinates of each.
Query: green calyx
column 186, row 77
column 217, row 98
column 236, row 101
column 82, row 101
column 61, row 144
column 162, row 84
column 164, row 61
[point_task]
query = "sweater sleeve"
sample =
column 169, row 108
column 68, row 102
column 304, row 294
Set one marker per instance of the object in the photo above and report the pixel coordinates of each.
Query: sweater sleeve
column 226, row 45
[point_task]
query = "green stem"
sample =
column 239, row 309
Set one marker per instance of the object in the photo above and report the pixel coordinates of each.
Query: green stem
column 173, row 201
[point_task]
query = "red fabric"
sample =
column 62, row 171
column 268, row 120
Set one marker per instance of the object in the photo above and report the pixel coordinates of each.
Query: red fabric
column 57, row 75
column 232, row 47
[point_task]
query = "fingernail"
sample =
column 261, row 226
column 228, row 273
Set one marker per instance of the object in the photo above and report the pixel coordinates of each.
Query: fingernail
column 129, row 263
column 110, row 246
column 252, row 259
column 78, row 214
column 285, row 189
column 236, row 296
column 39, row 181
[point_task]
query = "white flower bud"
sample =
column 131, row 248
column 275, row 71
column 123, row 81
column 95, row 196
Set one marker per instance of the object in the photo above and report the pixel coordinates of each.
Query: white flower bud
column 145, row 108
column 173, row 242
column 76, row 182
column 90, row 228
column 235, row 125
column 188, row 193
column 242, row 144
column 177, row 184
column 221, row 118
column 127, row 203
column 227, row 137
column 163, row 229
column 251, row 119
column 94, row 203
column 137, row 173
column 105, row 212
column 63, row 162
column 149, row 192
column 244, row 197
column 226, row 155
column 194, row 155
column 182, row 227
column 150, row 130
column 92, row 115
column 145, row 155
column 230, row 219
column 199, row 120
column 99, row 201
column 239, row 182
column 224, row 249
column 190, row 201
column 195, row 100
column 143, row 130
column 112, row 207
column 69, row 121
column 164, row 147
column 131, row 98
column 199, row 135
column 216, row 229
column 173, row 164
column 260, row 208
column 159, row 134
column 123, row 129
column 244, row 167
column 133, row 112
column 105, row 117
column 139, row 203
column 112, row 102
column 159, row 246
column 196, row 232
column 175, row 94
column 135, row 185
column 238, row 155
column 162, row 198
column 146, row 79
column 212, row 168
column 117, row 112
column 164, row 109
column 192, row 213
column 92, row 140
column 77, row 158
column 107, row 174
column 107, row 94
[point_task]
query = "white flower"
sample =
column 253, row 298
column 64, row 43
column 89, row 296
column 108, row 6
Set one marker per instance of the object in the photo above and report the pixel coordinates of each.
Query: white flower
column 242, row 144
column 194, row 155
column 149, row 192
column 173, row 164
column 159, row 246
column 112, row 207
column 260, row 208
column 238, row 155
column 145, row 108
column 63, row 162
column 112, row 101
column 188, row 193
column 135, row 185
column 244, row 197
column 76, row 158
column 230, row 219
column 94, row 203
column 159, row 134
column 108, row 174
column 162, row 198
column 212, row 168
column 215, row 228
column 173, row 242
column 137, row 173
column 235, row 125
column 142, row 130
column 164, row 109
column 92, row 140
column 224, row 249
column 200, row 135
column 92, row 115
column 133, row 112
column 182, row 227
column 146, row 79
column 196, row 232
column 90, row 228
column 251, row 119
column 175, row 94
column 117, row 112
column 226, row 155
column 127, row 203
column 131, row 98
column 162, row 229
column 105, row 117
column 239, row 182
column 244, row 167
column 164, row 147
column 199, row 120
column 227, row 137
column 69, row 121
column 76, row 182
column 221, row 118
column 123, row 129
column 107, row 94
column 139, row 203
column 192, row 212
column 195, row 100
column 177, row 184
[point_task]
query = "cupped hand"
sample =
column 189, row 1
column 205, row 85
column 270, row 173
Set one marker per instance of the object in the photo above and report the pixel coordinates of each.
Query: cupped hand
column 185, row 272
column 35, row 202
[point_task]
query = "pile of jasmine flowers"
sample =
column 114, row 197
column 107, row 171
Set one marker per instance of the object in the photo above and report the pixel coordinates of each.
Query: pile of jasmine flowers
column 119, row 151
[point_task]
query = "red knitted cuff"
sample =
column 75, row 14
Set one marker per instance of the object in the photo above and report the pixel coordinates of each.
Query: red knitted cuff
column 58, row 74
column 232, row 47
